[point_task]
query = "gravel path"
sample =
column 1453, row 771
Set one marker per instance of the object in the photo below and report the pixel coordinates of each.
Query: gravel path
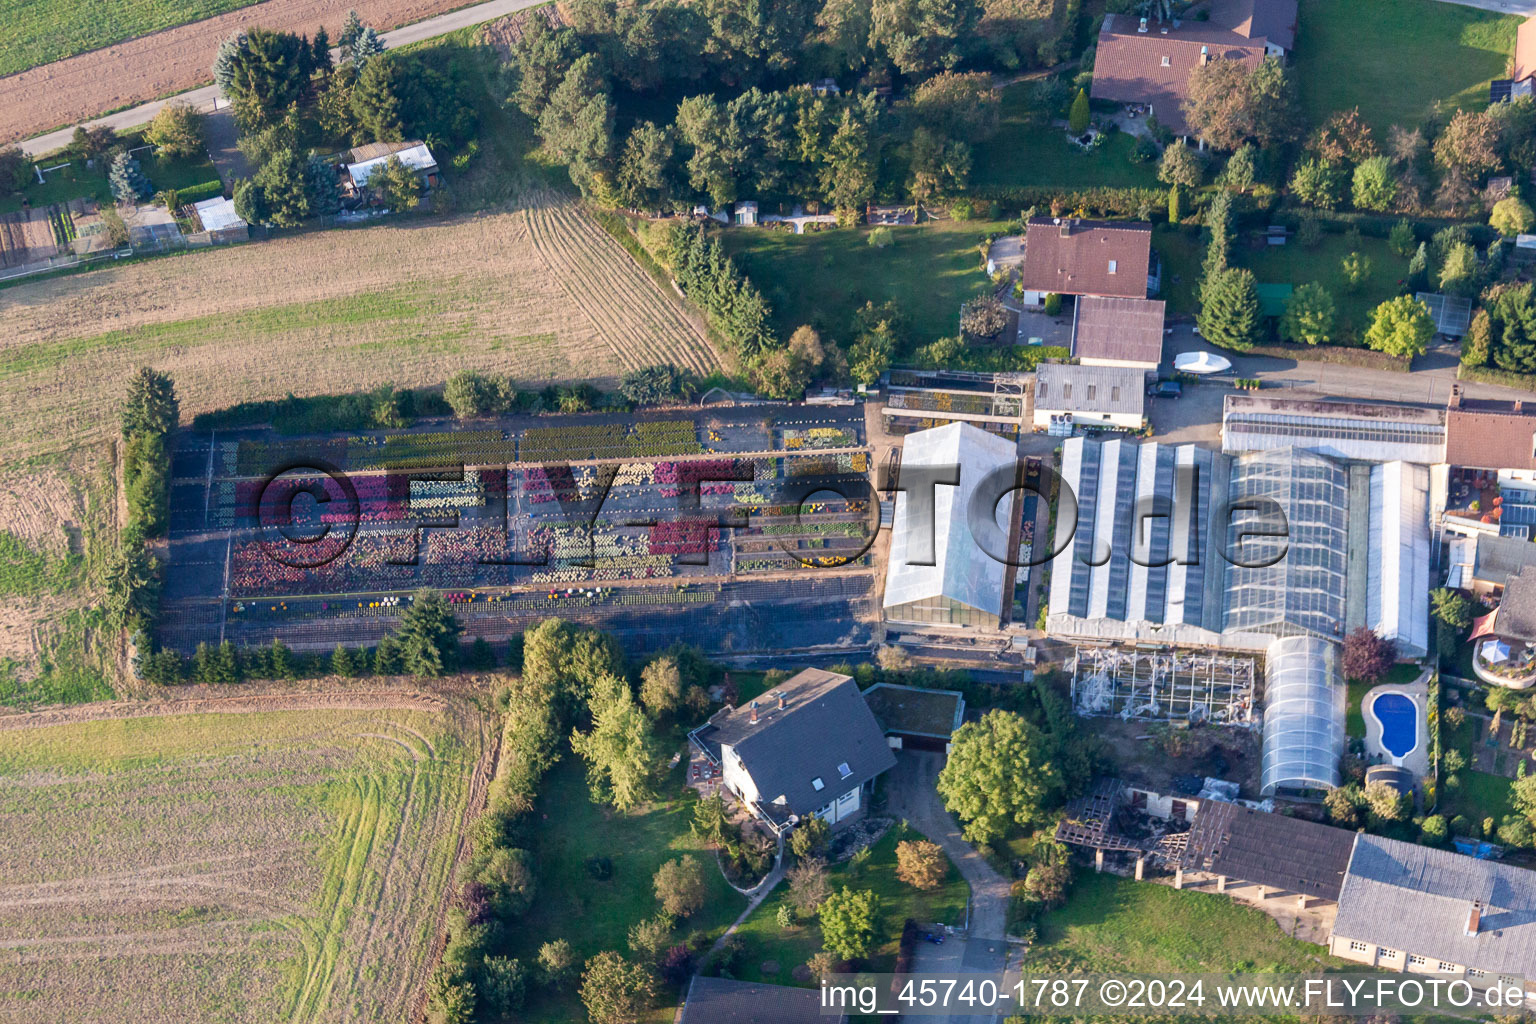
column 912, row 795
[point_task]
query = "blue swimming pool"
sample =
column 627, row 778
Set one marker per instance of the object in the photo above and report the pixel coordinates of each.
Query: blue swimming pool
column 1399, row 718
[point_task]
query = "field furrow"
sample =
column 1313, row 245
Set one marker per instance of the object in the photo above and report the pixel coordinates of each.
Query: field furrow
column 260, row 873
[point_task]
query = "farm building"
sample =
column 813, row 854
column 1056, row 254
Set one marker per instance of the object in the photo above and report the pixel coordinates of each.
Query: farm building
column 1422, row 910
column 1100, row 588
column 364, row 162
column 1068, row 256
column 812, row 746
column 1097, row 396
column 914, row 718
column 1275, row 851
column 940, row 573
column 1118, row 332
column 1368, row 431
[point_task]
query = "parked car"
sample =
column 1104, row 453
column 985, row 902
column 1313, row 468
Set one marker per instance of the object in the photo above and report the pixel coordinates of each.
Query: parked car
column 1165, row 389
column 937, row 938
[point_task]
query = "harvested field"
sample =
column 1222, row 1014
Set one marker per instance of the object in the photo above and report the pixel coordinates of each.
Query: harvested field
column 26, row 237
column 81, row 87
column 234, row 863
column 56, row 522
column 409, row 302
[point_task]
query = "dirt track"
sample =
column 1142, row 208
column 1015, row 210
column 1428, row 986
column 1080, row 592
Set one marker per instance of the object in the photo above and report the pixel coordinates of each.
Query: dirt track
column 81, row 87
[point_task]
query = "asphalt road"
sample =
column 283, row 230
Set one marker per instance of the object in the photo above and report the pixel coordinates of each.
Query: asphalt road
column 209, row 98
column 1196, row 417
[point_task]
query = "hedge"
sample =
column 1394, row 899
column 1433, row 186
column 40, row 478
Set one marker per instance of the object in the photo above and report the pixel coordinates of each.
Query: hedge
column 1380, row 225
column 1488, row 375
column 1342, row 354
column 1102, row 202
column 197, row 193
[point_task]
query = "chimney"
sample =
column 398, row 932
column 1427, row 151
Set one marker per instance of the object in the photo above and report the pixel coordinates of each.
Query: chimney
column 1455, row 402
column 1066, row 227
column 1142, row 28
column 754, row 713
column 1165, row 30
column 1205, row 55
column 1519, row 407
column 782, row 701
column 1474, row 918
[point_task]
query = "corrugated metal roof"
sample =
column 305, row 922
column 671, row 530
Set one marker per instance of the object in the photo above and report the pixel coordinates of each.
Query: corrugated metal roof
column 1090, row 389
column 1130, row 330
column 417, row 158
column 218, row 214
column 1417, row 899
column 962, row 571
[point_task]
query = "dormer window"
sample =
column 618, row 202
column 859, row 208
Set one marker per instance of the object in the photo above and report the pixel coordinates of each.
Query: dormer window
column 817, row 784
column 844, row 770
column 1167, row 63
column 1114, row 265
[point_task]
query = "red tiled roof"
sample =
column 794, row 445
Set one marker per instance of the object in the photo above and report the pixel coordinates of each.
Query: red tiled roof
column 1126, row 330
column 1491, row 435
column 1085, row 257
column 1270, row 20
column 1153, row 68
column 1525, row 50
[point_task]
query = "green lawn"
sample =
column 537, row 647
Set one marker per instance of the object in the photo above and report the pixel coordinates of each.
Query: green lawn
column 1394, row 58
column 1479, row 796
column 822, row 278
column 596, row 915
column 1295, row 264
column 768, row 943
column 76, row 181
column 1028, row 151
column 35, row 32
column 1180, row 252
column 1354, row 719
column 1114, row 924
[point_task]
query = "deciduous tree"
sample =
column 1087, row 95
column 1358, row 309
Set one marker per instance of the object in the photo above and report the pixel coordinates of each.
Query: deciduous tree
column 1400, row 326
column 616, row 991
column 178, row 131
column 1309, row 315
column 999, row 775
column 1367, row 657
column 680, row 887
column 849, row 918
column 920, row 863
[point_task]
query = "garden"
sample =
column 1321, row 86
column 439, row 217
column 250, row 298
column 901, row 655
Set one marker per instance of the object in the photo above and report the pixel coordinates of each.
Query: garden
column 1028, row 152
column 771, row 950
column 824, row 278
column 1397, row 59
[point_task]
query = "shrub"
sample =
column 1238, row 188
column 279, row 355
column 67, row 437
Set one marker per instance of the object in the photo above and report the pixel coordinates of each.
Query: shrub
column 921, row 864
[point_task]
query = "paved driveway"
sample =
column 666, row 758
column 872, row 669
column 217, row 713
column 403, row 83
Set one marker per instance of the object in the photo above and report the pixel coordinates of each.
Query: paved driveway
column 913, row 796
column 960, row 956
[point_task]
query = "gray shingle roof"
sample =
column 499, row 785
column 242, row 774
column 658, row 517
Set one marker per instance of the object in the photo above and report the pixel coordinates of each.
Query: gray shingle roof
column 1517, row 608
column 1089, row 389
column 1417, row 899
column 1498, row 558
column 722, row 1001
column 1294, row 854
column 1130, row 330
column 824, row 724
